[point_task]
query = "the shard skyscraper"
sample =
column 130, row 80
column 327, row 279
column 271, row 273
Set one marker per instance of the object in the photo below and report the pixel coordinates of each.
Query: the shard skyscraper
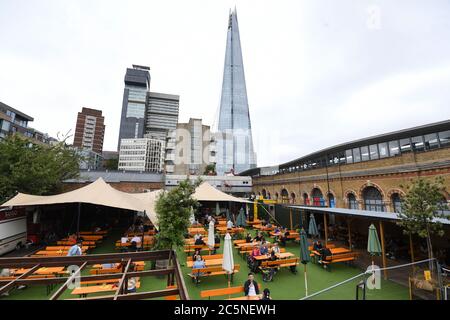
column 234, row 142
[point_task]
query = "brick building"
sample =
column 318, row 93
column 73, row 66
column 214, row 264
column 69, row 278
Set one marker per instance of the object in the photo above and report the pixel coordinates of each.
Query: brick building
column 364, row 174
column 90, row 130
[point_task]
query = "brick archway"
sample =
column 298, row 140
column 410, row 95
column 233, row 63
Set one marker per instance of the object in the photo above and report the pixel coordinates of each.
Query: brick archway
column 371, row 184
column 350, row 191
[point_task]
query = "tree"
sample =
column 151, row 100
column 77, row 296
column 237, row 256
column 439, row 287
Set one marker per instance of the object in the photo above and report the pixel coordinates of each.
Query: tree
column 421, row 207
column 173, row 209
column 210, row 169
column 112, row 164
column 33, row 168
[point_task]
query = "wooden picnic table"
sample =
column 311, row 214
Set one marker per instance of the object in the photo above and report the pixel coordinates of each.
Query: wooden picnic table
column 84, row 291
column 54, row 253
column 281, row 255
column 40, row 271
column 101, row 232
column 224, row 230
column 194, row 231
column 338, row 250
column 251, row 223
column 64, row 248
column 136, row 263
column 192, row 241
column 208, row 263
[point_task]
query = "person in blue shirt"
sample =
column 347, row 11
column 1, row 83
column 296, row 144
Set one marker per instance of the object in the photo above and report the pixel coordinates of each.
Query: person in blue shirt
column 75, row 250
column 264, row 249
column 198, row 264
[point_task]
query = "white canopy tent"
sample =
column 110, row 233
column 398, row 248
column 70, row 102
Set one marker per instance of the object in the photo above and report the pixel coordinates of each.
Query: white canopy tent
column 206, row 192
column 97, row 193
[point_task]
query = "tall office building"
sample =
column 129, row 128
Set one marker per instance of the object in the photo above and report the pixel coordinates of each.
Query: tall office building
column 90, row 130
column 137, row 86
column 162, row 114
column 234, row 137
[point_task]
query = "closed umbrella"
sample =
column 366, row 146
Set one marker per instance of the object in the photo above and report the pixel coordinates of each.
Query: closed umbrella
column 211, row 241
column 228, row 215
column 240, row 220
column 217, row 209
column 228, row 259
column 312, row 229
column 304, row 255
column 192, row 217
column 373, row 246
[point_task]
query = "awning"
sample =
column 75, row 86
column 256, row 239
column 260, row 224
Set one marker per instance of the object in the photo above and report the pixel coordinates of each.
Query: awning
column 206, row 192
column 377, row 215
column 97, row 193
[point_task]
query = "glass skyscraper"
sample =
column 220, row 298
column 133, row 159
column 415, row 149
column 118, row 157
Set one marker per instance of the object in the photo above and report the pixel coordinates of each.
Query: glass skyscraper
column 132, row 121
column 234, row 141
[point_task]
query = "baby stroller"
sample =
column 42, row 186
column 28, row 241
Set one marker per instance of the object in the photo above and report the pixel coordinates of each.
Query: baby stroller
column 268, row 274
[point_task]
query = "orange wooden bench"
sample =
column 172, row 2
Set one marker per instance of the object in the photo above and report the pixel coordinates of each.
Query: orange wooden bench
column 342, row 257
column 221, row 292
column 211, row 271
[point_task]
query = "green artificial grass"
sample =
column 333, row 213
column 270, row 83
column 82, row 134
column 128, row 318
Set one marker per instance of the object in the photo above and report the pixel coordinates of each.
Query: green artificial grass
column 285, row 284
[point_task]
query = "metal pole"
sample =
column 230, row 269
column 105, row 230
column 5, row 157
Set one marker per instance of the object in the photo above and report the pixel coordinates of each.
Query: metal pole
column 290, row 217
column 349, row 233
column 383, row 249
column 78, row 220
column 326, row 228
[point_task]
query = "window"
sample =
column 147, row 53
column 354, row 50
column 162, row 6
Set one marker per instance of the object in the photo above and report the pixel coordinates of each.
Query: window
column 373, row 201
column 364, row 153
column 331, row 202
column 349, row 156
column 356, row 155
column 383, row 149
column 405, row 145
column 394, row 148
column 318, row 199
column 431, row 141
column 396, row 202
column 5, row 126
column 373, row 149
column 352, row 204
column 417, row 143
column 444, row 138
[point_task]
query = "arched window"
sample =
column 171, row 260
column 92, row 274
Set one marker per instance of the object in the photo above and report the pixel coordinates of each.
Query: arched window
column 373, row 200
column 284, row 196
column 292, row 197
column 317, row 198
column 305, row 199
column 396, row 202
column 352, row 204
column 263, row 193
column 331, row 202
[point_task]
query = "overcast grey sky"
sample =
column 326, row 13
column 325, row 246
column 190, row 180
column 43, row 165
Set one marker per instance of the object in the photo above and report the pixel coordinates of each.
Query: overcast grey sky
column 318, row 72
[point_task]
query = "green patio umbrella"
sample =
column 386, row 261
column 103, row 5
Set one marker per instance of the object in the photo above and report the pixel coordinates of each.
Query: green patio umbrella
column 304, row 254
column 228, row 215
column 373, row 246
column 312, row 230
column 240, row 220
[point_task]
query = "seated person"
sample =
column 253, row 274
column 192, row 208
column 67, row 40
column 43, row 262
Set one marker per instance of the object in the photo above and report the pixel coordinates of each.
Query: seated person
column 284, row 236
column 196, row 254
column 258, row 237
column 124, row 239
column 248, row 238
column 217, row 238
column 275, row 248
column 199, row 241
column 198, row 264
column 131, row 284
column 317, row 245
column 324, row 253
column 263, row 222
column 277, row 230
column 264, row 249
column 137, row 240
column 230, row 224
column 196, row 236
column 251, row 287
column 269, row 225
